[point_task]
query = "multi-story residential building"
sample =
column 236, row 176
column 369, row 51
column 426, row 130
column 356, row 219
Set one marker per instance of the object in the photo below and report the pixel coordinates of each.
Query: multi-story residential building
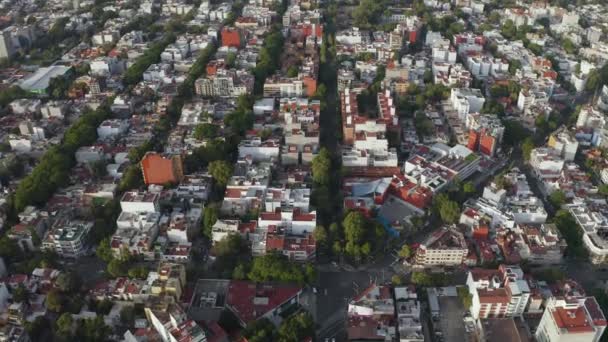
column 569, row 320
column 259, row 150
column 446, row 247
column 466, row 101
column 546, row 164
column 7, row 50
column 172, row 324
column 137, row 202
column 112, row 128
column 594, row 226
column 408, row 315
column 485, row 133
column 498, row 293
column 368, row 313
column 284, row 87
column 538, row 244
column 194, row 187
column 33, row 224
column 564, row 142
column 68, row 238
column 293, row 220
column 295, row 247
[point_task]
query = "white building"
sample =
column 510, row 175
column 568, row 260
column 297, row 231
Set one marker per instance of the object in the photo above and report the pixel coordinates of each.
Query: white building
column 446, row 247
column 466, row 100
column 136, row 202
column 259, row 150
column 571, row 320
column 112, row 128
column 498, row 293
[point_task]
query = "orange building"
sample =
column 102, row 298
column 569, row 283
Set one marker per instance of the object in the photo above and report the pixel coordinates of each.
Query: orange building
column 482, row 142
column 231, row 37
column 311, row 85
column 162, row 168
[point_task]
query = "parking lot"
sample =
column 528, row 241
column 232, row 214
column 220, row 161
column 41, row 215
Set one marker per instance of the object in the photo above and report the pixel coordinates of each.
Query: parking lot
column 450, row 320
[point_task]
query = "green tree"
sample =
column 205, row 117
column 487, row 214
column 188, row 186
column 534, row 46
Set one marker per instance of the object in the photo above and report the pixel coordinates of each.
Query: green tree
column 557, row 198
column 240, row 272
column 424, row 126
column 103, row 251
column 292, row 71
column 20, row 294
column 550, row 275
column 321, row 167
column 102, row 307
column 421, row 278
column 37, row 328
column 396, row 280
column 117, row 268
column 321, row 92
column 509, row 30
column 127, row 315
column 603, row 189
column 367, row 14
column 139, row 272
column 354, row 227
column 569, row 46
column 209, row 218
column 55, row 300
column 514, row 65
column 221, row 171
column 260, row 330
column 465, row 296
column 567, row 226
column 9, row 249
column 68, row 282
column 230, row 59
column 296, row 328
column 449, row 212
column 65, row 324
column 320, row 235
column 526, row 148
column 468, row 188
column 275, row 266
column 93, row 330
column 405, row 252
column 206, row 131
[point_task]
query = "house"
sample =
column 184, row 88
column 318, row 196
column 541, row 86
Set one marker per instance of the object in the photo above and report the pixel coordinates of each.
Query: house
column 371, row 315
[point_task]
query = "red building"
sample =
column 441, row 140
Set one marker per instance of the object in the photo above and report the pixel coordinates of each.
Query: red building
column 231, row 37
column 213, row 66
column 162, row 169
column 251, row 301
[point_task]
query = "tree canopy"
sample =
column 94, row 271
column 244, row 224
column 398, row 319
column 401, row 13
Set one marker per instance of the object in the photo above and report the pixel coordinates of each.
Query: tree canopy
column 321, row 167
column 275, row 266
column 221, row 171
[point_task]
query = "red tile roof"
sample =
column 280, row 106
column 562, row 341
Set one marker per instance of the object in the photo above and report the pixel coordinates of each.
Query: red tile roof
column 250, row 301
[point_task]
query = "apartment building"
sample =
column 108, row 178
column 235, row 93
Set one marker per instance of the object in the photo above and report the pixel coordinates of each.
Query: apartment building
column 570, row 320
column 446, row 247
column 68, row 238
column 498, row 293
